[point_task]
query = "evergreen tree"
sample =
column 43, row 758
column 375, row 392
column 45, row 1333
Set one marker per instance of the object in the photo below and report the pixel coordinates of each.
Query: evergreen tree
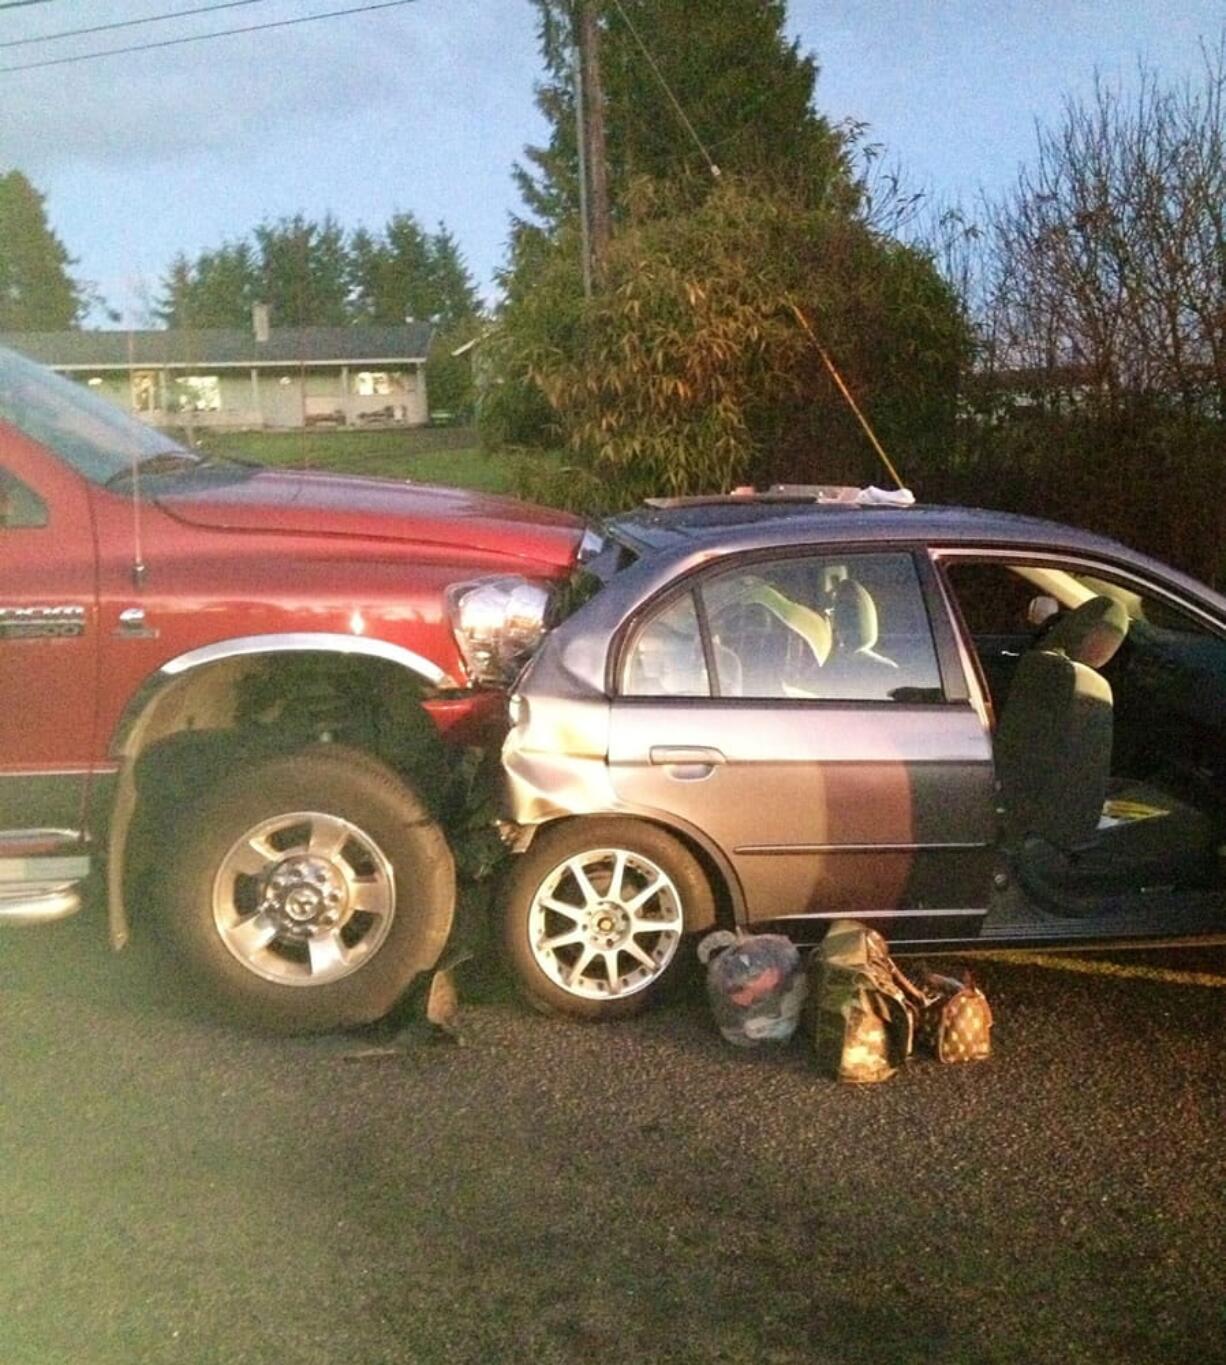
column 692, row 367
column 367, row 276
column 311, row 273
column 304, row 271
column 172, row 305
column 217, row 290
column 746, row 89
column 396, row 283
column 408, row 273
column 37, row 293
column 455, row 293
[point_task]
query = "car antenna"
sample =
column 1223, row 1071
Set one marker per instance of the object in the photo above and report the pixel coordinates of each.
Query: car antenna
column 846, row 392
column 138, row 555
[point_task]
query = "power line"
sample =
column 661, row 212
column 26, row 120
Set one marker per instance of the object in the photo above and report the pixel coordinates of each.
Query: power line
column 200, row 37
column 668, row 90
column 125, row 23
column 20, row 4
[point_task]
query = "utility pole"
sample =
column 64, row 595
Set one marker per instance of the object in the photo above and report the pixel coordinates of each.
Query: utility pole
column 585, row 236
column 592, row 154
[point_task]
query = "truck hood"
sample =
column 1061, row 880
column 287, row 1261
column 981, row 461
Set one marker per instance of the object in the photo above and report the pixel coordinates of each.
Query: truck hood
column 316, row 504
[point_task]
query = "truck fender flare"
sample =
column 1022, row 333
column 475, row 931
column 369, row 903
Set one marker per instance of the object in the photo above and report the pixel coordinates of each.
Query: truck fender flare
column 127, row 732
column 126, row 741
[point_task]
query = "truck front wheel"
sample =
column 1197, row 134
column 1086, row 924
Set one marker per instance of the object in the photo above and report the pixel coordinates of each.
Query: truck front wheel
column 307, row 891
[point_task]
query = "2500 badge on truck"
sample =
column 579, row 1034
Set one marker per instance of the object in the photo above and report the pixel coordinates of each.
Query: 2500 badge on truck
column 239, row 692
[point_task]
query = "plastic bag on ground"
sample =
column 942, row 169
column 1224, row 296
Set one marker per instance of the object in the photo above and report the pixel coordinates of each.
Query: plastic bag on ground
column 755, row 985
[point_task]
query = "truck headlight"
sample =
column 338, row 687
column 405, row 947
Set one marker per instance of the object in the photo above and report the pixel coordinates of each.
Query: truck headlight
column 498, row 622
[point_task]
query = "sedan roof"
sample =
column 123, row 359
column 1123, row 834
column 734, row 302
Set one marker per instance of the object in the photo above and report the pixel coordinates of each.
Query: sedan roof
column 753, row 523
column 669, row 536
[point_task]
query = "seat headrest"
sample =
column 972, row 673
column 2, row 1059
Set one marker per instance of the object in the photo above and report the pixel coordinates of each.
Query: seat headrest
column 1091, row 633
column 810, row 625
column 855, row 617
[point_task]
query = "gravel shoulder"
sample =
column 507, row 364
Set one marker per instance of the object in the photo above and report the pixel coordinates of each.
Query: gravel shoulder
column 173, row 1189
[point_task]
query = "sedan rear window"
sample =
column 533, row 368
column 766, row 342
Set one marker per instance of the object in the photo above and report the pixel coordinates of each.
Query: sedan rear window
column 666, row 658
column 853, row 628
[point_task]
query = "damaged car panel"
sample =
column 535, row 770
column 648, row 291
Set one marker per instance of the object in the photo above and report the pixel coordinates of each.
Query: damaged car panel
column 814, row 704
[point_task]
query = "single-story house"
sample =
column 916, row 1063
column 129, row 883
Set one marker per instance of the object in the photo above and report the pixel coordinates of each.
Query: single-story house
column 249, row 379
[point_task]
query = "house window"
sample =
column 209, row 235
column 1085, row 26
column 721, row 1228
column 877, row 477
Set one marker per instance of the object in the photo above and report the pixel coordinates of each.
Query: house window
column 374, row 383
column 198, row 393
column 144, row 391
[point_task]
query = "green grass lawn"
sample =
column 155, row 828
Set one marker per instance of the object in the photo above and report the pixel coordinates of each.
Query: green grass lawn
column 424, row 454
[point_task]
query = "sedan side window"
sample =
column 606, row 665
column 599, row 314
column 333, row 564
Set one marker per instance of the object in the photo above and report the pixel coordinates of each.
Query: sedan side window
column 666, row 657
column 20, row 507
column 852, row 628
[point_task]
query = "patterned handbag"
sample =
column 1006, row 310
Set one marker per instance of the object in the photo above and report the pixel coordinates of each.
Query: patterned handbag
column 957, row 1025
column 861, row 1014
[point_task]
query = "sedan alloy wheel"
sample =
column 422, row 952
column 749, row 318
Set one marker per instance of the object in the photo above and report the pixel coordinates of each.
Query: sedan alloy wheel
column 605, row 923
column 596, row 913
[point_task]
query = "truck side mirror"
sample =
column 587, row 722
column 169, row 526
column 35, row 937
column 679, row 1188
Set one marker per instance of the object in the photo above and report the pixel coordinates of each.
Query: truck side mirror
column 20, row 507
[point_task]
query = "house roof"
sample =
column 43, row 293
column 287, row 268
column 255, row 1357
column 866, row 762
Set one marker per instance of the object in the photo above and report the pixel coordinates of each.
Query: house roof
column 223, row 346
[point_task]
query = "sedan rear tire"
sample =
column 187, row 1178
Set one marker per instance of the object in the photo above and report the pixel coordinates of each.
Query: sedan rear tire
column 595, row 917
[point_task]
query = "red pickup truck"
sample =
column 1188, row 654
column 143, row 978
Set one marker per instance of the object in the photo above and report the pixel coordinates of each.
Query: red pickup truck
column 230, row 697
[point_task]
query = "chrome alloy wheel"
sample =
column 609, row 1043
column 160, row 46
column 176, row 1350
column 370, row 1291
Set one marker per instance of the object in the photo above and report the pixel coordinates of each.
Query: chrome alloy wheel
column 605, row 923
column 304, row 899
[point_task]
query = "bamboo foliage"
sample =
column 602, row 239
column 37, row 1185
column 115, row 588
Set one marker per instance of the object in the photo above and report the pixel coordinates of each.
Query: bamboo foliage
column 690, row 373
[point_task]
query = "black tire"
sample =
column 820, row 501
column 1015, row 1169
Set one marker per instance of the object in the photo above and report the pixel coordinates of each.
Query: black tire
column 682, row 905
column 379, row 916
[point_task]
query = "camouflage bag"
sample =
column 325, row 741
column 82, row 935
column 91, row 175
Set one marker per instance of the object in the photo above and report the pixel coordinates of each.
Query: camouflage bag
column 863, row 1011
column 956, row 1024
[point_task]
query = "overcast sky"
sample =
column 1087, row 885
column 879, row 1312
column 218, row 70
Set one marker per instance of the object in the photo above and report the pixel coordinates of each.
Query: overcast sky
column 424, row 108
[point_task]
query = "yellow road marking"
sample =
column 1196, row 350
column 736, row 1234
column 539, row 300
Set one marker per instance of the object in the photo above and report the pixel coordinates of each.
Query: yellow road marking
column 1020, row 957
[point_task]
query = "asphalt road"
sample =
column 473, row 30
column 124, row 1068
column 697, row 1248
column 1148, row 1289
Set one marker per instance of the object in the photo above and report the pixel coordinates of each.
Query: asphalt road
column 172, row 1189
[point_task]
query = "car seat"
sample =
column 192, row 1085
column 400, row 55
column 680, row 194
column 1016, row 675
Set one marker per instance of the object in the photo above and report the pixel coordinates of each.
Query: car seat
column 766, row 639
column 667, row 663
column 857, row 628
column 1090, row 634
column 1053, row 752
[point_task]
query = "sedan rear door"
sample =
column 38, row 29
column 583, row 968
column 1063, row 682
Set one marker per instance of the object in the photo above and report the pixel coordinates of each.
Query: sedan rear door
column 809, row 714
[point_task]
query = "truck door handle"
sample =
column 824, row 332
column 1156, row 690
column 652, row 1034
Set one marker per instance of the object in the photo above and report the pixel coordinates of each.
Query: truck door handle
column 132, row 625
column 685, row 756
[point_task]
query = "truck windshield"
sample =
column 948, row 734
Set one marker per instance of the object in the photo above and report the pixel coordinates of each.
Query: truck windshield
column 99, row 440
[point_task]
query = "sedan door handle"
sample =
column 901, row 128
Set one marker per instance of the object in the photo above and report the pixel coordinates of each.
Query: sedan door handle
column 689, row 757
